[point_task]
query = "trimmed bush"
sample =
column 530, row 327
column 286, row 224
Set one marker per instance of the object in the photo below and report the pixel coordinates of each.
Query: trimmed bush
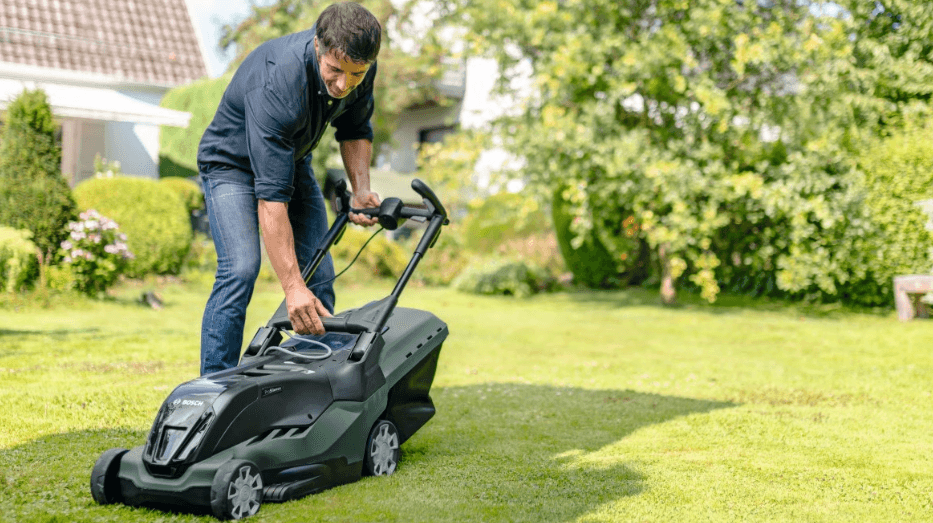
column 33, row 194
column 18, row 262
column 186, row 189
column 503, row 277
column 898, row 175
column 382, row 257
column 151, row 215
column 501, row 218
column 178, row 148
column 590, row 261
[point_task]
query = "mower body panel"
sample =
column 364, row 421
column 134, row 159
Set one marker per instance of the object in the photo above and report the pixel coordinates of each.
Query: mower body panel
column 304, row 423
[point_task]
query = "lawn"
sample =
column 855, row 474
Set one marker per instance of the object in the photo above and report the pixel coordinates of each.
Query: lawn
column 580, row 406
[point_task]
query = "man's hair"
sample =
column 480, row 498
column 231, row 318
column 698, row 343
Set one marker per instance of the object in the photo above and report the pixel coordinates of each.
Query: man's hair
column 351, row 29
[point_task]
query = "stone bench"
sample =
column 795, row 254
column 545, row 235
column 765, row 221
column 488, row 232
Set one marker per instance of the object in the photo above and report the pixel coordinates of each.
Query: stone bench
column 907, row 293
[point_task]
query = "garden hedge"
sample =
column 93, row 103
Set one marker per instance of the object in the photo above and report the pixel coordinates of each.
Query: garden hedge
column 151, row 214
column 18, row 262
column 898, row 176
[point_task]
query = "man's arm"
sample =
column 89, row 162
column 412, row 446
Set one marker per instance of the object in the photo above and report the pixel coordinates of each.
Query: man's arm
column 304, row 309
column 357, row 155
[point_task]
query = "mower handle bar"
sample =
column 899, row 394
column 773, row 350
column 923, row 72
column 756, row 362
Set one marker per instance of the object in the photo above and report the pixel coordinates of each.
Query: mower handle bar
column 331, row 324
column 392, row 209
column 389, row 212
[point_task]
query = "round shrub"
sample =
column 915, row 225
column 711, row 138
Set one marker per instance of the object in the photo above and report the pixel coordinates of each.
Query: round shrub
column 151, row 215
column 503, row 277
column 590, row 263
column 382, row 257
column 186, row 189
column 18, row 263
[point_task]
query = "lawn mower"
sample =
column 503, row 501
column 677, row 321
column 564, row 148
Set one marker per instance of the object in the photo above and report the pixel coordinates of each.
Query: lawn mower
column 300, row 413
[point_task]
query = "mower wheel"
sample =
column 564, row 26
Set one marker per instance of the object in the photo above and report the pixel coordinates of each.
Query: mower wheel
column 105, row 482
column 381, row 456
column 237, row 490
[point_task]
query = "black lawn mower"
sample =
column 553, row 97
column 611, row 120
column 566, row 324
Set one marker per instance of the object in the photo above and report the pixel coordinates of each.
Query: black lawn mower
column 299, row 414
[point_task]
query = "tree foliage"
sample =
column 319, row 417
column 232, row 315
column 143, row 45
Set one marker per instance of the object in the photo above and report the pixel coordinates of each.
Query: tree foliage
column 728, row 129
column 33, row 193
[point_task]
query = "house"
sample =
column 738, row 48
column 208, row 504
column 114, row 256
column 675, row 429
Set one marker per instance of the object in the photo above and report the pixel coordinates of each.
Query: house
column 105, row 65
column 473, row 104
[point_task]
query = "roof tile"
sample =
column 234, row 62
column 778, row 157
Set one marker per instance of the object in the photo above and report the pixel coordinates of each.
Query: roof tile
column 148, row 42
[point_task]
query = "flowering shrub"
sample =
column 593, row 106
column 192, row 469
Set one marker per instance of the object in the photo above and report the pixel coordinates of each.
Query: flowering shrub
column 96, row 251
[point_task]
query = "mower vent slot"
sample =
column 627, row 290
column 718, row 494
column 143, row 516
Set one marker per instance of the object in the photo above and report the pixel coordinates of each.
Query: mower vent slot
column 282, row 432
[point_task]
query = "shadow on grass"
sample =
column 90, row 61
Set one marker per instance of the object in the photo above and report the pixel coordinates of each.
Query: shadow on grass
column 519, row 452
column 724, row 304
column 493, row 452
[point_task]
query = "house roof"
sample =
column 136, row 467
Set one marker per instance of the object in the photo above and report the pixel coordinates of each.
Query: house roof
column 140, row 41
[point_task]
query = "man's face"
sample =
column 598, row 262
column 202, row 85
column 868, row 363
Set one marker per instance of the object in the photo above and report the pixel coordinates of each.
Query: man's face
column 341, row 75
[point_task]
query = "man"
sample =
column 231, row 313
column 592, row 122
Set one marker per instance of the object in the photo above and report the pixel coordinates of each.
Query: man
column 255, row 165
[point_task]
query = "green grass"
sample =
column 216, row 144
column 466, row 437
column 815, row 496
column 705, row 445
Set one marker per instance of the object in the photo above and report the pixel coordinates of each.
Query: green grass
column 595, row 406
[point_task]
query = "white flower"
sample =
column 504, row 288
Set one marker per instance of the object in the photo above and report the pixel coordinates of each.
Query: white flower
column 66, row 245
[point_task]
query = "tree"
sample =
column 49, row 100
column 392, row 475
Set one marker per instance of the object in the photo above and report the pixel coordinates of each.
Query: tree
column 33, row 193
column 725, row 127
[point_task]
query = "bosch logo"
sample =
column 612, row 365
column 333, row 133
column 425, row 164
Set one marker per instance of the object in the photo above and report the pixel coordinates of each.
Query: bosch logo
column 187, row 403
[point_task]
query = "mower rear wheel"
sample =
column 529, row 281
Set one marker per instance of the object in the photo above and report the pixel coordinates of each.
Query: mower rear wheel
column 105, row 482
column 382, row 453
column 237, row 490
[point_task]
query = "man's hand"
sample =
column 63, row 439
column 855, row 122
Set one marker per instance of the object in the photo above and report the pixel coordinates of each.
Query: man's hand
column 305, row 311
column 363, row 199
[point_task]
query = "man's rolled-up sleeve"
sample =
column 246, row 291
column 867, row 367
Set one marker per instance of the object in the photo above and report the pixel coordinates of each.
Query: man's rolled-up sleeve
column 354, row 124
column 270, row 124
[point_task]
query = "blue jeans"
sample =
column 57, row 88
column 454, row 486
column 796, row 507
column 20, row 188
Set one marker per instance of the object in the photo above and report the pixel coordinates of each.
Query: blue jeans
column 234, row 219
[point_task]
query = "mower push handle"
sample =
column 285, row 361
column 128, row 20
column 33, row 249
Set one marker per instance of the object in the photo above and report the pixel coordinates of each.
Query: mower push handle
column 422, row 188
column 331, row 324
column 394, row 208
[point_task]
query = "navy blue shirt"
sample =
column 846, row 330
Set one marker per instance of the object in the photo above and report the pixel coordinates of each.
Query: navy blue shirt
column 273, row 114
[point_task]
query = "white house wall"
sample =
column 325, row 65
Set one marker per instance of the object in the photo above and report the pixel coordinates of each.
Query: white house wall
column 404, row 156
column 135, row 146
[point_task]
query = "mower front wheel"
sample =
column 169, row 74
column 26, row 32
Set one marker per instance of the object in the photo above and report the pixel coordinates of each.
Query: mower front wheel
column 237, row 490
column 105, row 482
column 382, row 453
